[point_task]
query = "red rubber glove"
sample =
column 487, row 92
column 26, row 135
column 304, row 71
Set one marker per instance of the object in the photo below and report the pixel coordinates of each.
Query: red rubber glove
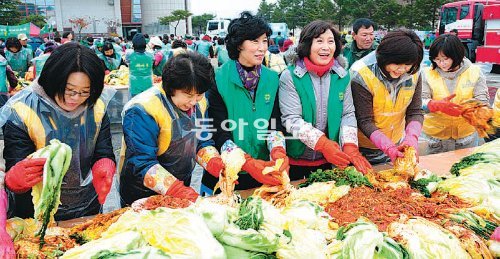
column 356, row 158
column 215, row 166
column 385, row 144
column 25, row 174
column 102, row 173
column 280, row 153
column 6, row 246
column 445, row 106
column 332, row 153
column 255, row 167
column 179, row 190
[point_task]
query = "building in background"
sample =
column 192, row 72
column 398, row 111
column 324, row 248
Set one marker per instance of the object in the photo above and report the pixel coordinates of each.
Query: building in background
column 123, row 17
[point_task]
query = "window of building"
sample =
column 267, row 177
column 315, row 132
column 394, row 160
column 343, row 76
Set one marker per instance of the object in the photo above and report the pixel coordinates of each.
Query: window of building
column 136, row 11
column 41, row 7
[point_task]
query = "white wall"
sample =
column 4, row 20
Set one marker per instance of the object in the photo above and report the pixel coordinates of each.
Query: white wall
column 97, row 11
column 152, row 9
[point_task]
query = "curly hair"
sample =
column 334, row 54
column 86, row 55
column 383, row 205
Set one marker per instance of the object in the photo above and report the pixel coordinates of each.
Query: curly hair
column 247, row 27
column 401, row 46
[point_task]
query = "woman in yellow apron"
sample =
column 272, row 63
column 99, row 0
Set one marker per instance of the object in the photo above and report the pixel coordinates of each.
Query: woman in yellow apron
column 386, row 89
column 451, row 80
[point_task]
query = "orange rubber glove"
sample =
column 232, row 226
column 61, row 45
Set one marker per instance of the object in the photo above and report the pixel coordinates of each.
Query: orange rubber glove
column 280, row 153
column 25, row 174
column 255, row 167
column 102, row 173
column 332, row 153
column 215, row 166
column 445, row 106
column 356, row 158
column 179, row 190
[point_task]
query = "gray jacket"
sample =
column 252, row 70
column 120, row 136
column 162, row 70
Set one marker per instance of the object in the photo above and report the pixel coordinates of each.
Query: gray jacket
column 291, row 108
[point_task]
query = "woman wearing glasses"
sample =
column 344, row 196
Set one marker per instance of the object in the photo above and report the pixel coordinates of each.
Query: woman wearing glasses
column 66, row 103
column 451, row 80
column 386, row 90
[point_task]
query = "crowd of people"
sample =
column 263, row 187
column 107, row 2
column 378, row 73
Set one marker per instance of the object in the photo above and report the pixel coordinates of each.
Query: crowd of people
column 325, row 105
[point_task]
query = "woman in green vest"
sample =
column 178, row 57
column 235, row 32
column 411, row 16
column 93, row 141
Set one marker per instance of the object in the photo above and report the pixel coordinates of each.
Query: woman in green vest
column 451, row 80
column 317, row 107
column 244, row 105
column 140, row 66
column 17, row 56
column 39, row 61
column 111, row 59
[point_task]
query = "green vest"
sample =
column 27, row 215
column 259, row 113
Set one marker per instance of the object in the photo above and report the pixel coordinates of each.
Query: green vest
column 39, row 63
column 19, row 61
column 141, row 72
column 353, row 54
column 113, row 63
column 3, row 75
column 240, row 106
column 158, row 70
column 295, row 148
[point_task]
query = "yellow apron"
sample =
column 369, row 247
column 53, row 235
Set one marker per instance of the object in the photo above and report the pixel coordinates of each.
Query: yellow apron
column 388, row 117
column 442, row 126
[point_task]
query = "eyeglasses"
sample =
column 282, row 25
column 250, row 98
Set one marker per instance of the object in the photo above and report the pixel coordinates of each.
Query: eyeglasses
column 73, row 93
column 441, row 61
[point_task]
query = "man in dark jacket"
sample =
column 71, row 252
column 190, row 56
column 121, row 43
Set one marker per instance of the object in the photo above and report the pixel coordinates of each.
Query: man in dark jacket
column 363, row 41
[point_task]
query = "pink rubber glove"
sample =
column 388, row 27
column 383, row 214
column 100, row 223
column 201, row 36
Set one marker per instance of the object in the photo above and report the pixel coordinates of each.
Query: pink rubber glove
column 385, row 144
column 6, row 246
column 413, row 130
column 158, row 58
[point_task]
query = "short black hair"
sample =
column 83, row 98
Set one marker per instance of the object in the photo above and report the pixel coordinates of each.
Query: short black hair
column 188, row 72
column 13, row 42
column 313, row 30
column 57, row 39
column 451, row 46
column 178, row 44
column 455, row 31
column 70, row 58
column 363, row 22
column 400, row 46
column 108, row 46
column 247, row 27
column 66, row 34
column 220, row 41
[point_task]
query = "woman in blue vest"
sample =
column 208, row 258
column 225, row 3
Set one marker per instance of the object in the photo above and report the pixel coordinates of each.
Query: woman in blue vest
column 244, row 105
column 316, row 102
column 163, row 132
column 68, row 102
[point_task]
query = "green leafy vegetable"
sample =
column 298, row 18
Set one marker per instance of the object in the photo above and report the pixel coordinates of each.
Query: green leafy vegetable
column 426, row 182
column 471, row 160
column 349, row 176
column 363, row 240
column 46, row 195
column 250, row 214
column 470, row 220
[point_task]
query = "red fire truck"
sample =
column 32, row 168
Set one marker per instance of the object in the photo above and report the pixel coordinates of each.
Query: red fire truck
column 478, row 25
